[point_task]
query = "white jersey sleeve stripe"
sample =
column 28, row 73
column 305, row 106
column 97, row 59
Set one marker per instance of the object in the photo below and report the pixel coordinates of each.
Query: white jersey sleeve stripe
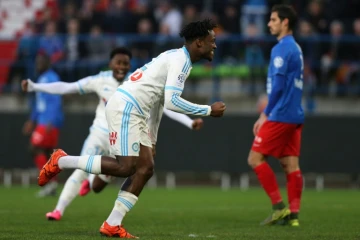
column 173, row 88
column 176, row 100
column 81, row 90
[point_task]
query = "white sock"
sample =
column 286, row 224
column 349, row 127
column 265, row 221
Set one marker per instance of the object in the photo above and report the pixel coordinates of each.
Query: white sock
column 91, row 179
column 123, row 204
column 68, row 162
column 70, row 190
column 87, row 163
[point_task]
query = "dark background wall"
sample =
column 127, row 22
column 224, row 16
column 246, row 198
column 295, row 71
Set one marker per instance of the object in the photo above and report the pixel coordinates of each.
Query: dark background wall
column 330, row 144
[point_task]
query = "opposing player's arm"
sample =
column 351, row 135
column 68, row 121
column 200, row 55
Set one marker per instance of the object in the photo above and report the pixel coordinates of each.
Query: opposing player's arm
column 154, row 121
column 179, row 117
column 174, row 87
column 279, row 66
column 277, row 88
column 82, row 86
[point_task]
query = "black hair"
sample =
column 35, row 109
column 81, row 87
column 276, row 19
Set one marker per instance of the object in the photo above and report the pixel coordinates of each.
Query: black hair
column 197, row 29
column 120, row 50
column 286, row 11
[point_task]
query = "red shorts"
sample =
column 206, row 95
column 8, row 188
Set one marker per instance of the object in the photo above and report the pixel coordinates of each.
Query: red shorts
column 278, row 139
column 40, row 138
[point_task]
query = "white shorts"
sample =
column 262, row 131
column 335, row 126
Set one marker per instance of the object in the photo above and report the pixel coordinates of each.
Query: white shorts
column 97, row 143
column 127, row 127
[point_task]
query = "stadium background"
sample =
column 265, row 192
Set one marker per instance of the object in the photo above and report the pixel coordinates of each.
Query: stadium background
column 86, row 30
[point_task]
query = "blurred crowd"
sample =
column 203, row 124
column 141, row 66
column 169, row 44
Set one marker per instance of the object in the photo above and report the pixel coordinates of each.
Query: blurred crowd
column 79, row 34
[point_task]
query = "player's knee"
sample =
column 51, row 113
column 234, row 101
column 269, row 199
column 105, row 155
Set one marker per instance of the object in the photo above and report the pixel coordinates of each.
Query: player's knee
column 147, row 170
column 126, row 165
column 254, row 160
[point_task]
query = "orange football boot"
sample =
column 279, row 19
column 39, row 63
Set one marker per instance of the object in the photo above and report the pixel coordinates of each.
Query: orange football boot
column 114, row 231
column 51, row 168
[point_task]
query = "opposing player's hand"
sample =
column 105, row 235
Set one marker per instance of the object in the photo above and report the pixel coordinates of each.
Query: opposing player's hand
column 28, row 127
column 153, row 150
column 27, row 85
column 197, row 124
column 259, row 123
column 217, row 109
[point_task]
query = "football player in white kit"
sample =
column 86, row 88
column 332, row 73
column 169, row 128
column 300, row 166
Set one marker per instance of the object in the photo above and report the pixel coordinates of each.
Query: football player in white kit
column 157, row 84
column 104, row 85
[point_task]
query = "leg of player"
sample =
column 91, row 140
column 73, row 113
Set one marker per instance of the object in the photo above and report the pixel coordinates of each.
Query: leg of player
column 122, row 166
column 128, row 194
column 294, row 185
column 267, row 179
column 97, row 183
column 68, row 194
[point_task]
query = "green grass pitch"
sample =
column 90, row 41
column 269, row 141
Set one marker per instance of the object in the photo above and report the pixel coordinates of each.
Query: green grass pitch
column 184, row 213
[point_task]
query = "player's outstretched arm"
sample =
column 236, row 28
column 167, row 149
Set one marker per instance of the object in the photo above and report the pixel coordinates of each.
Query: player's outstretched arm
column 52, row 88
column 195, row 124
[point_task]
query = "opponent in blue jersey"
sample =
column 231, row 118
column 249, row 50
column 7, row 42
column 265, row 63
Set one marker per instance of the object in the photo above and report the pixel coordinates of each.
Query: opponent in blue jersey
column 47, row 116
column 278, row 129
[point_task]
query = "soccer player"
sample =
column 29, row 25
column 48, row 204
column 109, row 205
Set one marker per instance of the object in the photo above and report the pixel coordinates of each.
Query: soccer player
column 155, row 85
column 47, row 115
column 278, row 129
column 104, row 84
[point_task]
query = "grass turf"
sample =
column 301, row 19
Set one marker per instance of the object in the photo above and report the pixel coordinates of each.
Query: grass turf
column 184, row 213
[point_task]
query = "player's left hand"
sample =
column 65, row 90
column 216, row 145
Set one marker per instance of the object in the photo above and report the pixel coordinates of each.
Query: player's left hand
column 153, row 150
column 197, row 124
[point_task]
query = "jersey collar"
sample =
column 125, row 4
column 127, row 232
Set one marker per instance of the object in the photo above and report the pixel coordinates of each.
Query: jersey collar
column 187, row 53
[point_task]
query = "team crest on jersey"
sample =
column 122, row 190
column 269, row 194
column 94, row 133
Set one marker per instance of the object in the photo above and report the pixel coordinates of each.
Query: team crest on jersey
column 135, row 147
column 112, row 137
column 278, row 62
column 181, row 78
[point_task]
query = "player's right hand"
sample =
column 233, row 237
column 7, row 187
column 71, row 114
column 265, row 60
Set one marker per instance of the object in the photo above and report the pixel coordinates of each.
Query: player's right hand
column 217, row 109
column 27, row 85
column 259, row 123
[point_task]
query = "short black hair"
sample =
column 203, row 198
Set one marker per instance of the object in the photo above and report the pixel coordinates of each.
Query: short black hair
column 197, row 29
column 286, row 11
column 120, row 50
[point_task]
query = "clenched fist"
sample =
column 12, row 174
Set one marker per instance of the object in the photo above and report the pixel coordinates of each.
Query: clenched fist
column 27, row 85
column 217, row 109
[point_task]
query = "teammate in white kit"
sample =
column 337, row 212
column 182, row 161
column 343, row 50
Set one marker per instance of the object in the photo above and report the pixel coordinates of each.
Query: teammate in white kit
column 157, row 84
column 104, row 85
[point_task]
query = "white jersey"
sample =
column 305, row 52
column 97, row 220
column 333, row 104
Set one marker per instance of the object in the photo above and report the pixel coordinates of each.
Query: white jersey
column 104, row 85
column 160, row 83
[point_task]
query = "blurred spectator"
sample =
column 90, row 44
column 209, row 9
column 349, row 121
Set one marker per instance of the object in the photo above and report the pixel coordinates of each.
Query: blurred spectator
column 89, row 16
column 142, row 48
column 254, row 57
column 336, row 53
column 253, row 12
column 69, row 12
column 50, row 43
column 190, row 14
column 309, row 42
column 229, row 20
column 72, row 68
column 25, row 55
column 316, row 16
column 119, row 19
column 98, row 50
column 170, row 16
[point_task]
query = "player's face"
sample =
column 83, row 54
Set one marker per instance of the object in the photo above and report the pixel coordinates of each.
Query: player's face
column 42, row 63
column 120, row 65
column 275, row 24
column 208, row 46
